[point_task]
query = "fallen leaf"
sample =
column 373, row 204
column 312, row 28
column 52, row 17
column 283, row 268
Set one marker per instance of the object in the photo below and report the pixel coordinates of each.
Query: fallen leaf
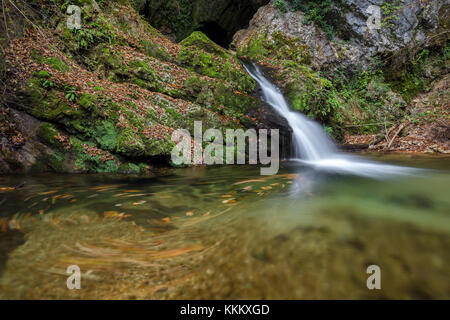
column 167, row 220
column 229, row 201
column 6, row 189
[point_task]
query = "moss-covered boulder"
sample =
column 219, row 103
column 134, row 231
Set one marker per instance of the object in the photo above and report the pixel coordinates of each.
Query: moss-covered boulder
column 200, row 54
column 46, row 104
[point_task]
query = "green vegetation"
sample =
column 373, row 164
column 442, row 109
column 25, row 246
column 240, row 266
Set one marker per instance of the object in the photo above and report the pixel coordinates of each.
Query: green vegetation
column 278, row 48
column 177, row 13
column 203, row 56
column 390, row 13
column 281, row 5
column 411, row 78
column 322, row 13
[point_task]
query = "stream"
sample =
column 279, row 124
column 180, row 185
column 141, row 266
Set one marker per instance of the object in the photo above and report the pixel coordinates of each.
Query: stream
column 226, row 232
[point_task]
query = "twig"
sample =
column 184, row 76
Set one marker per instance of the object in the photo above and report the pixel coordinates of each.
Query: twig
column 26, row 18
column 4, row 19
column 364, row 125
column 386, row 132
column 395, row 135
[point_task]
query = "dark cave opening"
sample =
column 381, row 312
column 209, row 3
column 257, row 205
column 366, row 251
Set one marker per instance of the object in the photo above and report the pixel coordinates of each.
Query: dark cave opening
column 216, row 33
column 218, row 19
column 230, row 17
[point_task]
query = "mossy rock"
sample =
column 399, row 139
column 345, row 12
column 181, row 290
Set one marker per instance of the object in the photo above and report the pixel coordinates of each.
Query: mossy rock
column 155, row 147
column 106, row 135
column 90, row 103
column 55, row 162
column 275, row 48
column 156, row 51
column 85, row 162
column 46, row 105
column 144, row 76
column 130, row 144
column 201, row 41
column 57, row 64
column 214, row 62
column 47, row 133
column 131, row 168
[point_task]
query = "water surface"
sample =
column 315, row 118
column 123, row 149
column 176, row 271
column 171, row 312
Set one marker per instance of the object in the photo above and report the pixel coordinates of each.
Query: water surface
column 228, row 233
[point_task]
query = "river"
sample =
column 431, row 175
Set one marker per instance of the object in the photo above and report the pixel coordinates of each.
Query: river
column 227, row 232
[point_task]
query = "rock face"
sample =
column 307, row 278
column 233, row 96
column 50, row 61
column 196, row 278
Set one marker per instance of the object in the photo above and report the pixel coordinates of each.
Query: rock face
column 402, row 24
column 19, row 148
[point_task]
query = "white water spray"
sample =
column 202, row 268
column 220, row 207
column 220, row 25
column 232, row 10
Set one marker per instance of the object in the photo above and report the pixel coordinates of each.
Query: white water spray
column 312, row 146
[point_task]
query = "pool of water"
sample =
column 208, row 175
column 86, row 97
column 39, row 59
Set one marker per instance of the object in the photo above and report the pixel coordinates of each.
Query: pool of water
column 228, row 233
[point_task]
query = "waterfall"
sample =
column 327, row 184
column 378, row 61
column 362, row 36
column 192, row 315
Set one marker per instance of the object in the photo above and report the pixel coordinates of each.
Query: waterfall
column 312, row 146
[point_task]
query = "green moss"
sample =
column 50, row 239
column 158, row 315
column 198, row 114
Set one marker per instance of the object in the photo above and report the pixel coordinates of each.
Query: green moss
column 57, row 64
column 144, row 75
column 43, row 74
column 46, row 105
column 215, row 94
column 416, row 76
column 256, row 49
column 96, row 30
column 156, row 51
column 54, row 162
column 84, row 162
column 278, row 48
column 47, row 133
column 201, row 41
column 237, row 104
column 408, row 84
column 90, row 103
column 223, row 66
column 130, row 168
column 106, row 135
column 156, row 147
column 128, row 143
column 36, row 55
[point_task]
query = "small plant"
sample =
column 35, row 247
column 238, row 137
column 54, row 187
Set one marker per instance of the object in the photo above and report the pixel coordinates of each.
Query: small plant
column 47, row 84
column 280, row 5
column 71, row 94
column 390, row 12
column 319, row 12
column 92, row 33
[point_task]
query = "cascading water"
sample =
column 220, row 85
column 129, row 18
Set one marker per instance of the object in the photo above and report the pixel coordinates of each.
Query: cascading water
column 312, row 146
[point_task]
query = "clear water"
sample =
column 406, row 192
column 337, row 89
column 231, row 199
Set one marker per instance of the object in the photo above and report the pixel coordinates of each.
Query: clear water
column 228, row 233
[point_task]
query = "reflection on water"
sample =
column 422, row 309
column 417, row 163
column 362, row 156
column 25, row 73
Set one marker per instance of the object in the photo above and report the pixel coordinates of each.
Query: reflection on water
column 227, row 232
